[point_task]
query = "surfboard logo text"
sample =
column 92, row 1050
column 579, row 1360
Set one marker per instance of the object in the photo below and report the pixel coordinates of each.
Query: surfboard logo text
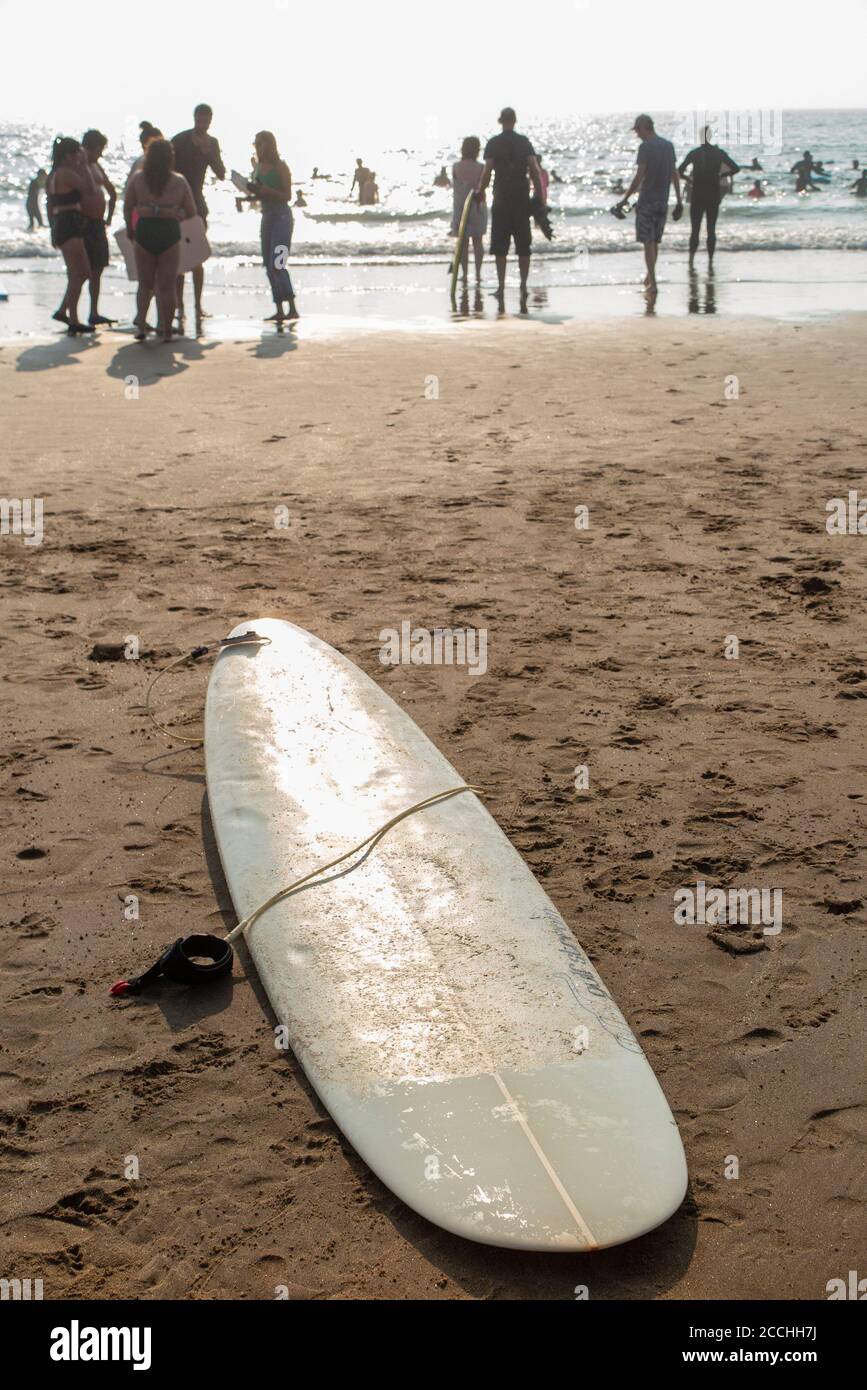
column 587, row 987
column 442, row 646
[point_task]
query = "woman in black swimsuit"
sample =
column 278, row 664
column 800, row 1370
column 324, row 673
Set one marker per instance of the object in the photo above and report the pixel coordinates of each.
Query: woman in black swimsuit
column 162, row 200
column 70, row 177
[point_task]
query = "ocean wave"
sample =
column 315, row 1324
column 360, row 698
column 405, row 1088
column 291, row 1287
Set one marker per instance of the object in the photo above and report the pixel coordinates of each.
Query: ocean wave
column 31, row 250
column 408, row 253
column 384, row 255
column 377, row 215
column 419, row 253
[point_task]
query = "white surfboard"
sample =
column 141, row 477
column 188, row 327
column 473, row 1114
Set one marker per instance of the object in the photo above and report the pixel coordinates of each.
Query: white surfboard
column 438, row 1002
column 195, row 247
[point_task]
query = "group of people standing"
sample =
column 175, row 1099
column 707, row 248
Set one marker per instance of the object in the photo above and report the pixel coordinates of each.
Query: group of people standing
column 509, row 158
column 511, row 161
column 706, row 171
column 165, row 188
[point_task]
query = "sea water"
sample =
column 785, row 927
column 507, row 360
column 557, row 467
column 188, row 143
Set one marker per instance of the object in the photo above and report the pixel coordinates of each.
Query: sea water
column 787, row 255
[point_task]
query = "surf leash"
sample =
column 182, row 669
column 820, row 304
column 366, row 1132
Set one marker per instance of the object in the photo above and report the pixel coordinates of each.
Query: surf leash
column 182, row 963
column 178, row 962
column 368, row 845
column 244, row 639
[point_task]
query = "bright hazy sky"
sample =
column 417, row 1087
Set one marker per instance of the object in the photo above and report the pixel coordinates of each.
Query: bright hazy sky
column 335, row 79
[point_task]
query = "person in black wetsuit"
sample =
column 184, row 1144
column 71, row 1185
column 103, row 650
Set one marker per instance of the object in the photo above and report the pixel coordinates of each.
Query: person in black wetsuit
column 195, row 153
column 708, row 163
column 510, row 158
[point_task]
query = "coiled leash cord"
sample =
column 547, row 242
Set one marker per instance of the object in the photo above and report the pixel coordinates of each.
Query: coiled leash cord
column 246, row 639
column 177, row 961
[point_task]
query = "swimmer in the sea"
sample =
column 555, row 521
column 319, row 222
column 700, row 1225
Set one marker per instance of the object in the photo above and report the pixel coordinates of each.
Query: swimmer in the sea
column 360, row 177
column 34, row 188
column 803, row 169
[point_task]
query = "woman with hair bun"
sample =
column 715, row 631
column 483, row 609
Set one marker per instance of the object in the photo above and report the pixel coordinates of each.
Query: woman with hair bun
column 147, row 133
column 157, row 200
column 69, row 179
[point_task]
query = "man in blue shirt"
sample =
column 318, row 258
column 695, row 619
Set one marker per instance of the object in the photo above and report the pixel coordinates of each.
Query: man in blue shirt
column 656, row 171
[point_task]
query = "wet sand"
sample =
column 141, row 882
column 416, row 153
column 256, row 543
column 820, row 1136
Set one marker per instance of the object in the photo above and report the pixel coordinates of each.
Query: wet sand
column 340, row 298
column 435, row 478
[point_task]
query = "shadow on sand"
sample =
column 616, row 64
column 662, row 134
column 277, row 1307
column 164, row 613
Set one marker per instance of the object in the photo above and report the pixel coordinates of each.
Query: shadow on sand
column 61, row 352
column 151, row 362
column 276, row 344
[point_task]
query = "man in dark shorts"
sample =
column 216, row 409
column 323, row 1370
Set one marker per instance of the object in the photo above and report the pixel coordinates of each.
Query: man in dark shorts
column 708, row 163
column 98, row 208
column 510, row 158
column 195, row 153
column 656, row 171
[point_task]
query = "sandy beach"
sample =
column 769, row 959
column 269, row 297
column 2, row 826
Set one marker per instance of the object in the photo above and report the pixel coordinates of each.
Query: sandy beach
column 435, row 477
